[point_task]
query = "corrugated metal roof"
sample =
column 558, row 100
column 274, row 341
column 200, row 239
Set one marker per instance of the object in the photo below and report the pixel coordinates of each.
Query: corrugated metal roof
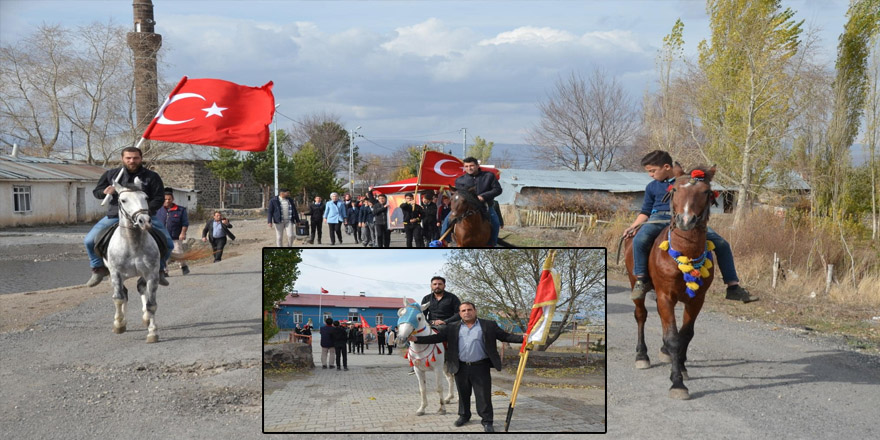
column 39, row 168
column 311, row 299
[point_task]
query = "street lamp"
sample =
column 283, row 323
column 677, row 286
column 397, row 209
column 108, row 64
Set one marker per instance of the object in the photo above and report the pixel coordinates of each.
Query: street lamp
column 275, row 120
column 351, row 136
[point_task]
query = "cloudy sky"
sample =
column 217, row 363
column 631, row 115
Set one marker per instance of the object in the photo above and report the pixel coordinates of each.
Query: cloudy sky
column 412, row 70
column 388, row 273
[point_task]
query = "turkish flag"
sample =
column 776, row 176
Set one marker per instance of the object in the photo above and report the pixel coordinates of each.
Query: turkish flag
column 364, row 322
column 324, row 291
column 442, row 169
column 216, row 113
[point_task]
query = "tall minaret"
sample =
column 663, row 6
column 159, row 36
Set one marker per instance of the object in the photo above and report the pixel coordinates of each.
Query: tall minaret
column 145, row 44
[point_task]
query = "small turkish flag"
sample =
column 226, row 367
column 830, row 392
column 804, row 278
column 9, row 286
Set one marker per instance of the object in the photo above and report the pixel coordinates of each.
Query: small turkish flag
column 217, row 113
column 440, row 169
column 324, row 291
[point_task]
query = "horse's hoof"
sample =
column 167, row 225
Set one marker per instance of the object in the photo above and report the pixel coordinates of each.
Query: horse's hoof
column 642, row 365
column 679, row 394
column 152, row 339
column 684, row 375
column 420, row 413
column 119, row 330
column 442, row 411
column 665, row 358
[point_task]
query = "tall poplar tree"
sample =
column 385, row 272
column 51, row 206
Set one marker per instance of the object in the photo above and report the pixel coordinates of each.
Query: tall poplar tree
column 744, row 102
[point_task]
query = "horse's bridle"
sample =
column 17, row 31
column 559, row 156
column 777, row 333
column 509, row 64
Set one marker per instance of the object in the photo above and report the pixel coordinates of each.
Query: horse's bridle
column 130, row 217
column 703, row 218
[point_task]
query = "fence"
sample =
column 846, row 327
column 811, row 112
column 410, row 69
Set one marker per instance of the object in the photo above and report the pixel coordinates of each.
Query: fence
column 550, row 219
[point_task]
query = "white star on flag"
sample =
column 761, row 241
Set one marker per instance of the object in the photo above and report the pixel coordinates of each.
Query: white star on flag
column 214, row 110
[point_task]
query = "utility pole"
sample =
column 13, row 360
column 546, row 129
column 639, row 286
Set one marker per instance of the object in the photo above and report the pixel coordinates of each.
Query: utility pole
column 351, row 159
column 463, row 143
column 144, row 43
column 71, row 144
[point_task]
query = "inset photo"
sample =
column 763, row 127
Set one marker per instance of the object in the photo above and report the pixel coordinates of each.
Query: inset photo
column 434, row 340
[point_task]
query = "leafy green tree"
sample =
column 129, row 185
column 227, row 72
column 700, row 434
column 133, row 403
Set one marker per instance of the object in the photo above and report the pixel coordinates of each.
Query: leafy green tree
column 849, row 94
column 279, row 275
column 226, row 166
column 261, row 165
column 310, row 177
column 744, row 102
column 481, row 150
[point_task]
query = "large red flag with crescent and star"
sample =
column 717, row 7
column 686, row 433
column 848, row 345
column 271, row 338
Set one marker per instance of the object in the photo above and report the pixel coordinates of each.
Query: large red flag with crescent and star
column 442, row 169
column 217, row 113
column 544, row 307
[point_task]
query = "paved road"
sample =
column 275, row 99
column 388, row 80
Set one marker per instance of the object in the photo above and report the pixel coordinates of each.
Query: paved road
column 377, row 395
column 747, row 380
column 69, row 376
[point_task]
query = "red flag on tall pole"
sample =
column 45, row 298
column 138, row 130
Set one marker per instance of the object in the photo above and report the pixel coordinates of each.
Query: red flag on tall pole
column 217, row 113
column 544, row 306
column 323, row 290
column 364, row 322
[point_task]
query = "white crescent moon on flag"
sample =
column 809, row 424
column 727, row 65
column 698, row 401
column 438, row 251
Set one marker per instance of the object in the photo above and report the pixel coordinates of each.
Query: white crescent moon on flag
column 439, row 165
column 165, row 121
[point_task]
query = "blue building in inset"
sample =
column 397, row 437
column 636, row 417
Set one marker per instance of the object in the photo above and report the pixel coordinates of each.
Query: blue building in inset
column 298, row 308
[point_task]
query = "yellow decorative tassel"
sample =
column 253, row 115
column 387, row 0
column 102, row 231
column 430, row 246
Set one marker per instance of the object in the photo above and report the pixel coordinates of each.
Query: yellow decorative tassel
column 683, row 260
column 685, row 268
column 704, row 272
column 708, row 264
column 665, row 245
column 693, row 286
column 710, row 245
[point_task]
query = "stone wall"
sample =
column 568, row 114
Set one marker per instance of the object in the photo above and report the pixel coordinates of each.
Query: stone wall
column 193, row 174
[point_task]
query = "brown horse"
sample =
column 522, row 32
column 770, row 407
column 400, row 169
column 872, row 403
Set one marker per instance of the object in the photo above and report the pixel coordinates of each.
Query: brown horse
column 685, row 278
column 469, row 219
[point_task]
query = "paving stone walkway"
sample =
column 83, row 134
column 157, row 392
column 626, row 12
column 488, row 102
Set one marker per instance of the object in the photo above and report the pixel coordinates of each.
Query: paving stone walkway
column 378, row 395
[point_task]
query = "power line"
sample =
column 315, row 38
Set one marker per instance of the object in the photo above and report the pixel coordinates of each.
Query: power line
column 359, row 276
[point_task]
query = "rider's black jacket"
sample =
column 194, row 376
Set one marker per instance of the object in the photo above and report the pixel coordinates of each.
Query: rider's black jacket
column 152, row 185
column 484, row 183
column 445, row 310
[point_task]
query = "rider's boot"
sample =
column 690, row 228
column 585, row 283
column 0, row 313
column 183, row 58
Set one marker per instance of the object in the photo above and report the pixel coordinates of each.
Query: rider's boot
column 640, row 288
column 738, row 293
column 162, row 280
column 98, row 274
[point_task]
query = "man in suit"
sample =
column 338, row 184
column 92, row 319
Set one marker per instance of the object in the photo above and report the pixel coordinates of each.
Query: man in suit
column 470, row 354
column 215, row 231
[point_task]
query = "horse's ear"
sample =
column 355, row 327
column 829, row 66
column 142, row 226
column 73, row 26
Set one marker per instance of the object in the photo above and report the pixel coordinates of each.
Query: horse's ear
column 400, row 312
column 405, row 303
column 425, row 306
column 138, row 182
column 677, row 170
column 710, row 173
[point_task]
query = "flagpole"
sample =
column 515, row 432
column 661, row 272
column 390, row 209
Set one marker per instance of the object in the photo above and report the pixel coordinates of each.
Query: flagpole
column 275, row 120
column 421, row 162
column 320, row 302
column 524, row 357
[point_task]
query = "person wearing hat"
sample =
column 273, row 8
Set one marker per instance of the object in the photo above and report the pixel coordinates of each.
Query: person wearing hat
column 283, row 217
column 176, row 221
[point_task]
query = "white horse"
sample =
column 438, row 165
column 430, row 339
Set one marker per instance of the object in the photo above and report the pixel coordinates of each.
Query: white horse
column 423, row 357
column 132, row 252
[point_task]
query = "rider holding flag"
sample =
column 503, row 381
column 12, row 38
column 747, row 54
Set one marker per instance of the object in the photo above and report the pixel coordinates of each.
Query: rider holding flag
column 486, row 186
column 132, row 159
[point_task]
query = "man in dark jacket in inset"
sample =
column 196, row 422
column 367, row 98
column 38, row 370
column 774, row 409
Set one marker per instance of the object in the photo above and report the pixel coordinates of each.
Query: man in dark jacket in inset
column 442, row 305
column 339, row 337
column 316, row 216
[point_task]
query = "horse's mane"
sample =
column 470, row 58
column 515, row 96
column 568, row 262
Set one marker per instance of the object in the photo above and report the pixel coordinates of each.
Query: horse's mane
column 706, row 171
column 470, row 197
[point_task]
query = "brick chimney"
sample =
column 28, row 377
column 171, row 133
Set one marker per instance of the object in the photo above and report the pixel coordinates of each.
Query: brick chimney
column 145, row 44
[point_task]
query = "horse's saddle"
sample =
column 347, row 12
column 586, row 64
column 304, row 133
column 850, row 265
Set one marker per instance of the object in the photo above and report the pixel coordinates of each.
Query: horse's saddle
column 102, row 241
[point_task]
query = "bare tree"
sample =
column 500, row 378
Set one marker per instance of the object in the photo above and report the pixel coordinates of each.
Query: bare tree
column 584, row 123
column 504, row 282
column 327, row 135
column 34, row 80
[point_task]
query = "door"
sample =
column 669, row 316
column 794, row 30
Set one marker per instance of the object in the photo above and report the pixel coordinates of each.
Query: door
column 80, row 205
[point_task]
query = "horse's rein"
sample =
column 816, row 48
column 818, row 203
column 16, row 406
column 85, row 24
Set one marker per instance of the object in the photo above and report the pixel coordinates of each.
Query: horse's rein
column 131, row 216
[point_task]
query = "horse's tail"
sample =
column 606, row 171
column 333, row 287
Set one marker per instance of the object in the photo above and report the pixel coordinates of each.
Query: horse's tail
column 504, row 243
column 192, row 254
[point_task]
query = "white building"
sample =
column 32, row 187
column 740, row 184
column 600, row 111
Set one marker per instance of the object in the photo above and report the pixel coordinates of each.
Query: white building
column 36, row 190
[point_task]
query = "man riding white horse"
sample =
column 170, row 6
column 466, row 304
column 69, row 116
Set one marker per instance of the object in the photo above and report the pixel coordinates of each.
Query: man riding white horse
column 486, row 186
column 152, row 185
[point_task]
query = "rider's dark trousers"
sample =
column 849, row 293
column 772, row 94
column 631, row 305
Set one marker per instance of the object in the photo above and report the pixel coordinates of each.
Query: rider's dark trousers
column 475, row 377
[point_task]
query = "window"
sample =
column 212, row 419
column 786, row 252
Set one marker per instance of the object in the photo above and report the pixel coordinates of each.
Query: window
column 234, row 195
column 379, row 320
column 327, row 315
column 353, row 316
column 21, row 196
column 297, row 318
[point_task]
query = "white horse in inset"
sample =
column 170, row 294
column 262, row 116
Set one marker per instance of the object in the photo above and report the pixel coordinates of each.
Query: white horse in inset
column 132, row 252
column 423, row 357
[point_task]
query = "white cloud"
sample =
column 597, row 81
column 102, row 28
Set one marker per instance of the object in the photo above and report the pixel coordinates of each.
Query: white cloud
column 531, row 35
column 429, row 38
